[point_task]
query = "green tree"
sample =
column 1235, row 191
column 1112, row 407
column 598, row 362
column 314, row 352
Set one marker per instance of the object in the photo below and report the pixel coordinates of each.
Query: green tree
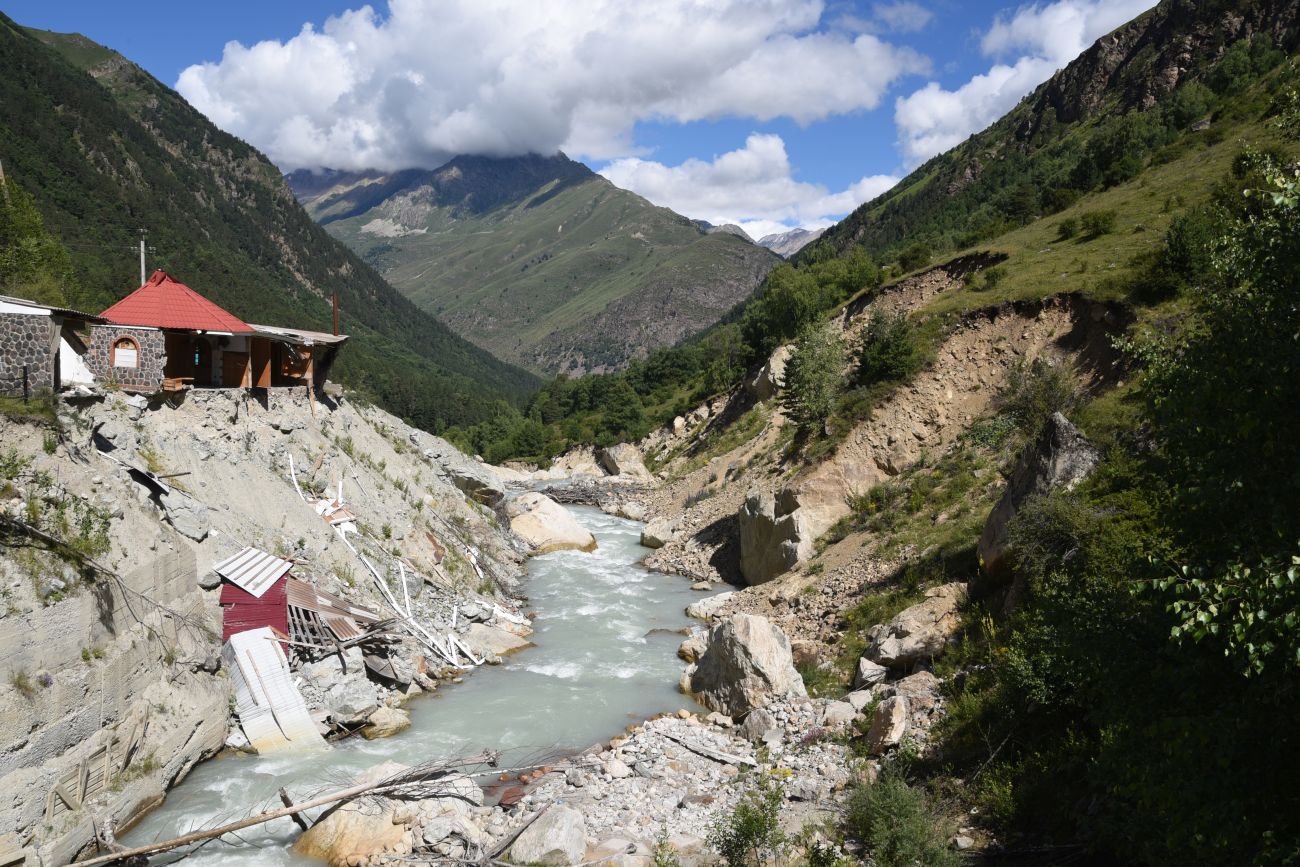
column 33, row 265
column 813, row 377
column 891, row 349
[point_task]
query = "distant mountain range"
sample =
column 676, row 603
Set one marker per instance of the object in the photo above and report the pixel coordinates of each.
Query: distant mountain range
column 537, row 258
column 784, row 244
column 105, row 150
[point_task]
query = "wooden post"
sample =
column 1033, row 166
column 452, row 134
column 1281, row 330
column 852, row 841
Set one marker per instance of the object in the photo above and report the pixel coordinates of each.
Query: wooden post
column 297, row 817
column 334, row 300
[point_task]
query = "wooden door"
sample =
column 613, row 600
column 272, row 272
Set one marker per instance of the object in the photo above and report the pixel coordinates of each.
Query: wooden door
column 234, row 369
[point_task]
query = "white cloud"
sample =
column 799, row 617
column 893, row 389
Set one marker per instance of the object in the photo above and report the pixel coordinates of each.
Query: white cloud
column 434, row 78
column 753, row 187
column 902, row 17
column 1047, row 37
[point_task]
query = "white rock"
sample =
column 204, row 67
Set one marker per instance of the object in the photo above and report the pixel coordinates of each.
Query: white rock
column 705, row 609
column 657, row 533
column 746, row 665
column 547, row 526
column 558, row 837
column 868, row 674
column 888, row 725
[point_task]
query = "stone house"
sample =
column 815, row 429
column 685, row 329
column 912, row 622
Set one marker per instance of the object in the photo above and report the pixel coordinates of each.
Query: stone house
column 165, row 336
column 42, row 347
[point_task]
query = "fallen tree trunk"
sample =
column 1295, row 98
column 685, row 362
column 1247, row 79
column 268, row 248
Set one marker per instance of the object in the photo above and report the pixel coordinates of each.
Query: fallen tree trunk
column 404, row 781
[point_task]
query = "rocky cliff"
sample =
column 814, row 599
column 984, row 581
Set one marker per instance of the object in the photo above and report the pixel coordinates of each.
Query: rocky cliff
column 114, row 511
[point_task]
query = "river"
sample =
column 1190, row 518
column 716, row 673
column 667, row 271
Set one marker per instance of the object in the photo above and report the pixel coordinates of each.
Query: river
column 605, row 656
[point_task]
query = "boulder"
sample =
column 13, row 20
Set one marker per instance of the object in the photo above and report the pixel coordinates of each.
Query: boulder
column 632, row 510
column 1059, row 459
column 757, row 725
column 692, row 648
column 772, row 542
column 358, row 831
column 386, row 722
column 679, row 426
column 746, row 664
column 657, row 533
column 624, row 460
column 546, row 526
column 558, row 836
column 806, row 652
column 351, row 700
column 771, row 376
column 186, row 514
column 487, row 640
column 920, row 632
column 838, row 713
column 578, row 462
column 868, row 674
column 860, row 699
column 706, row 609
column 888, row 725
column 477, row 481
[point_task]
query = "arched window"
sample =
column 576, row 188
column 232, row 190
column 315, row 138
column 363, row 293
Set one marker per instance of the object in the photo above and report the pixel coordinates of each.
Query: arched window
column 126, row 352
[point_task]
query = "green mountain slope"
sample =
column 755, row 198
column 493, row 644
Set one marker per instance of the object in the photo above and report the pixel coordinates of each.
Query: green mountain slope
column 538, row 258
column 105, row 150
column 1089, row 125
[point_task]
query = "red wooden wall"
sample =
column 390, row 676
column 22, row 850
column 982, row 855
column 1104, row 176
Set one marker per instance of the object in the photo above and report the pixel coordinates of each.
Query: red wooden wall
column 241, row 611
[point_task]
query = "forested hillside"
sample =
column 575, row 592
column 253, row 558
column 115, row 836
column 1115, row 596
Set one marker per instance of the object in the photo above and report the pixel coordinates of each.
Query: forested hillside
column 1075, row 188
column 103, row 150
column 537, row 258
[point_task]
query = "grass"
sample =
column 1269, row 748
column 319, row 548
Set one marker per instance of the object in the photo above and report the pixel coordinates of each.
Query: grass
column 39, row 409
column 1041, row 263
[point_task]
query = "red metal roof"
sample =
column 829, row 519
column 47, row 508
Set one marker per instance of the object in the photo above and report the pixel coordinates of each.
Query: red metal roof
column 163, row 302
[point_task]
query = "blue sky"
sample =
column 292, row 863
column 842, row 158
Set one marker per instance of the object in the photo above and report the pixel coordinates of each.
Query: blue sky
column 769, row 113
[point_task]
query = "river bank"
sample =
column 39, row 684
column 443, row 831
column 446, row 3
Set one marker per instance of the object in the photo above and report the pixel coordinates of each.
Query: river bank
column 604, row 635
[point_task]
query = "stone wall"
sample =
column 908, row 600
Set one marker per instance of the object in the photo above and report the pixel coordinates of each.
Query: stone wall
column 27, row 341
column 147, row 376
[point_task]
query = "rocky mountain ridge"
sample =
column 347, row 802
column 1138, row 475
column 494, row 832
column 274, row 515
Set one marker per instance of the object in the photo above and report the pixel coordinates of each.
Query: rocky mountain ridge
column 537, row 258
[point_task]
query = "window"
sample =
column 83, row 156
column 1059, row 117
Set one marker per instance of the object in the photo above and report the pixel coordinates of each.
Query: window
column 126, row 352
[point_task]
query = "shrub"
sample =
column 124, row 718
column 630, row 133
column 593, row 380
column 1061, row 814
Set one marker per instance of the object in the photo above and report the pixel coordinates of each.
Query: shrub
column 897, row 822
column 751, row 833
column 891, row 349
column 1033, row 392
column 1067, row 229
column 1097, row 223
column 915, row 256
column 993, row 277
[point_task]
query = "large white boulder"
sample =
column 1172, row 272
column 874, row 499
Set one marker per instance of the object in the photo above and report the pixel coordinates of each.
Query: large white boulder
column 746, row 664
column 547, row 526
column 657, row 533
column 772, row 542
column 771, row 376
column 708, row 608
column 558, row 836
column 624, row 460
column 920, row 632
column 487, row 640
column 361, row 830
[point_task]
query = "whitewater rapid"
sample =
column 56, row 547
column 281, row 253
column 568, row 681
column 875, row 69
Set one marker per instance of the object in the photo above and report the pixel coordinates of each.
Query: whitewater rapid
column 605, row 656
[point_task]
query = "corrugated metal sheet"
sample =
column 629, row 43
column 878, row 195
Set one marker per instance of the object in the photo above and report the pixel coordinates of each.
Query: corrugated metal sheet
column 242, row 611
column 271, row 710
column 304, row 595
column 253, row 570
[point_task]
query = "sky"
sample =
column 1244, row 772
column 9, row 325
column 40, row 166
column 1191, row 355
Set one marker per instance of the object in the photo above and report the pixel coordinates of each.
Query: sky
column 769, row 114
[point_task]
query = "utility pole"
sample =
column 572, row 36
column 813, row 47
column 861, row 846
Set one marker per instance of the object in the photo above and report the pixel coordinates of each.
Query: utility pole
column 334, row 300
column 4, row 185
column 144, row 275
